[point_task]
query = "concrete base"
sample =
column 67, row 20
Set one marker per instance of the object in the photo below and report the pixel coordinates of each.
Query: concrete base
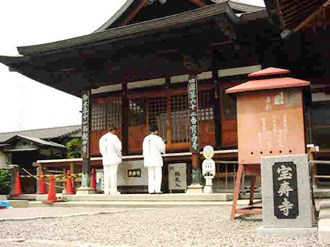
column 285, row 231
column 85, row 191
column 3, row 198
column 29, row 197
column 324, row 222
column 136, row 204
column 208, row 189
column 324, row 231
column 195, row 189
column 175, row 197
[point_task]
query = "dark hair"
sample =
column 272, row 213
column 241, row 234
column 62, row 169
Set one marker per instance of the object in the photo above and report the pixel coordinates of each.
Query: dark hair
column 153, row 128
column 111, row 128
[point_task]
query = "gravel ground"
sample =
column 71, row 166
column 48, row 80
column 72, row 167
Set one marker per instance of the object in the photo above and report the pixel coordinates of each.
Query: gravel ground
column 34, row 213
column 192, row 226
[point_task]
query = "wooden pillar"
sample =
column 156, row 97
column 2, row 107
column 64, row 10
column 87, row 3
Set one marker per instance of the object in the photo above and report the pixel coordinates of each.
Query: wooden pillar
column 216, row 108
column 194, row 133
column 85, row 139
column 125, row 120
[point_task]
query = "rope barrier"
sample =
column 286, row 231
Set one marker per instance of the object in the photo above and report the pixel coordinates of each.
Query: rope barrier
column 57, row 177
column 35, row 177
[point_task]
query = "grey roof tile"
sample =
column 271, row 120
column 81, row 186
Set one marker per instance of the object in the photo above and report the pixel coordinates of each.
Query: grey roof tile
column 47, row 133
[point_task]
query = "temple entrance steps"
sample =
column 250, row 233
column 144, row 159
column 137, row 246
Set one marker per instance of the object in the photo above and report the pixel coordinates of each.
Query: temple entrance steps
column 133, row 200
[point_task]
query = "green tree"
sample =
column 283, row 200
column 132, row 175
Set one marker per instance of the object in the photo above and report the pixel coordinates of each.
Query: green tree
column 73, row 147
column 4, row 181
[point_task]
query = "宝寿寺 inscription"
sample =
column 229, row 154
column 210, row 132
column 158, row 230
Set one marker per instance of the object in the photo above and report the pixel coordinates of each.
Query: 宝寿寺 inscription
column 285, row 190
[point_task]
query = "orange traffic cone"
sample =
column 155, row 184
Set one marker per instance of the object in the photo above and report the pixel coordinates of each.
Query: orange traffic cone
column 69, row 189
column 42, row 186
column 51, row 192
column 93, row 180
column 17, row 188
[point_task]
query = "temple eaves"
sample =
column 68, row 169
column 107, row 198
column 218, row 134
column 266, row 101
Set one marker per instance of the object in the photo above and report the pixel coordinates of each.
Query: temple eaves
column 138, row 29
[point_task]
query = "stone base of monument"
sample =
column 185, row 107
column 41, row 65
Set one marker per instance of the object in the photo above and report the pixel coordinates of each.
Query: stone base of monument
column 195, row 189
column 285, row 231
column 85, row 191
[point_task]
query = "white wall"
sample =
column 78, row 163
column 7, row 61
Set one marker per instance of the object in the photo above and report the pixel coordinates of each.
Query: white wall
column 2, row 160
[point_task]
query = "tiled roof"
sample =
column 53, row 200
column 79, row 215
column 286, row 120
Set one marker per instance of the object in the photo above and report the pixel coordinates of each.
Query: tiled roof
column 36, row 140
column 47, row 134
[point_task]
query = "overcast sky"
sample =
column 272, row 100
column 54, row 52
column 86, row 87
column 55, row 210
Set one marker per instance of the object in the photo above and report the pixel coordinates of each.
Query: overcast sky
column 27, row 104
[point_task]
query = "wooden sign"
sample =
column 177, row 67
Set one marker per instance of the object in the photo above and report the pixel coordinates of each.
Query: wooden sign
column 85, row 137
column 285, row 190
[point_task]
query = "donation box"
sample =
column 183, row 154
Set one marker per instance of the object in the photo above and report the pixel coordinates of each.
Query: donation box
column 270, row 119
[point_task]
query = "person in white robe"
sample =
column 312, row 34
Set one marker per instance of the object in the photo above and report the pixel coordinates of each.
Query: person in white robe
column 110, row 148
column 153, row 147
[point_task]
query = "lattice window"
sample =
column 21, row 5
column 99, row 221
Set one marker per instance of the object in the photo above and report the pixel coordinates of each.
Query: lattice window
column 157, row 108
column 179, row 118
column 137, row 113
column 114, row 114
column 206, row 105
column 98, row 116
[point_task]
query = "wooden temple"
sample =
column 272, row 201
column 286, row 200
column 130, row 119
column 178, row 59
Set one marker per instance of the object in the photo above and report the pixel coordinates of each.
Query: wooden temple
column 168, row 63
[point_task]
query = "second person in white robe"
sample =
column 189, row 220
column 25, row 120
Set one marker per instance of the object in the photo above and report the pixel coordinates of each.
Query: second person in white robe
column 153, row 147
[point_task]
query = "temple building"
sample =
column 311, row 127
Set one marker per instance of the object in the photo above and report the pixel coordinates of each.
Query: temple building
column 162, row 62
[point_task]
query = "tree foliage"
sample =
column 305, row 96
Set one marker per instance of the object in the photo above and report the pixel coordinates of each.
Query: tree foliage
column 73, row 147
column 4, row 181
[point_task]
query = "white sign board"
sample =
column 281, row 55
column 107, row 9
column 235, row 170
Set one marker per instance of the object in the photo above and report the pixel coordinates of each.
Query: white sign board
column 208, row 167
column 132, row 173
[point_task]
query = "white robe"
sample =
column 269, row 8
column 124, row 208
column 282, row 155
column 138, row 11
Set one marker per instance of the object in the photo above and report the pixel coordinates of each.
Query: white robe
column 110, row 148
column 153, row 147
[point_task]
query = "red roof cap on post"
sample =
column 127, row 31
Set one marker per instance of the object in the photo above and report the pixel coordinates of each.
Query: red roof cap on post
column 269, row 71
column 266, row 84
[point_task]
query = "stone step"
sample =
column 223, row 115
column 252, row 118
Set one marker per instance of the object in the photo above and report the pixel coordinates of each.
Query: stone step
column 321, row 192
column 136, row 197
column 134, row 204
column 324, row 222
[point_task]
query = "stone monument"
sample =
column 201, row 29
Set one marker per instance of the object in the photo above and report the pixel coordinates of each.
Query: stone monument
column 286, row 195
column 177, row 177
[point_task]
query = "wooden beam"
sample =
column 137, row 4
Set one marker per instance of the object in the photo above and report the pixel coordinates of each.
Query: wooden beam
column 311, row 17
column 135, row 11
column 279, row 13
column 199, row 3
column 125, row 118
